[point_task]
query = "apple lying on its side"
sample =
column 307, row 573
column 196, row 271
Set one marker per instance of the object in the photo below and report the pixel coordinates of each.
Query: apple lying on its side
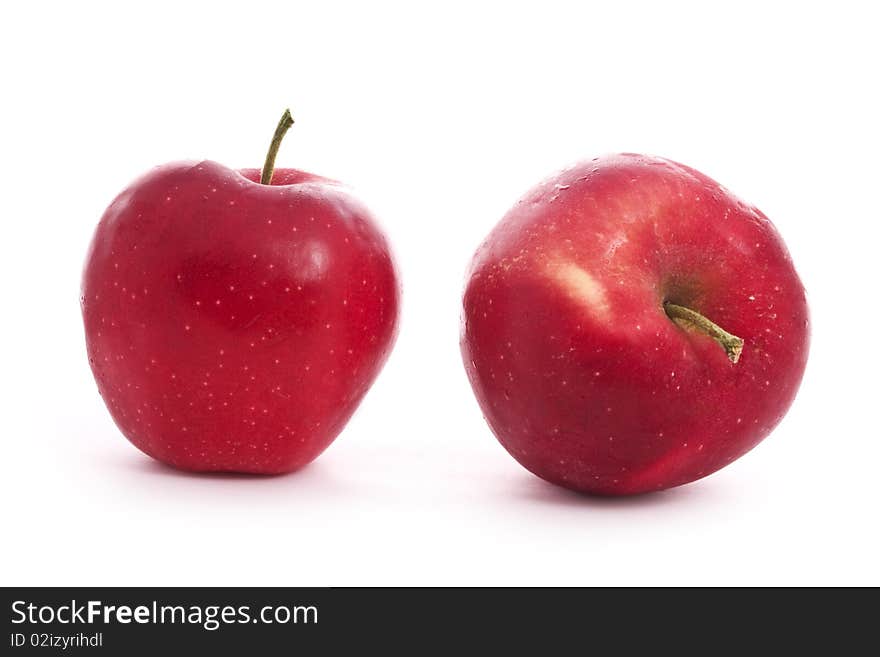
column 235, row 319
column 630, row 325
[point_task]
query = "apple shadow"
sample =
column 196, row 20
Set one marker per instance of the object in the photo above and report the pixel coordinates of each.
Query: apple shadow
column 149, row 466
column 538, row 491
column 313, row 476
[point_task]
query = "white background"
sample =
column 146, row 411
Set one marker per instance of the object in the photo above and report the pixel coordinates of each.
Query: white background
column 440, row 117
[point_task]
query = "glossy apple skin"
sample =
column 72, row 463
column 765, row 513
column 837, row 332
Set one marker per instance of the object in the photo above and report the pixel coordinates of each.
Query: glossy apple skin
column 233, row 326
column 580, row 373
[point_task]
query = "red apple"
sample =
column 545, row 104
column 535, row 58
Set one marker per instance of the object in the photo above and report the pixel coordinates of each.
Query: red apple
column 232, row 325
column 630, row 325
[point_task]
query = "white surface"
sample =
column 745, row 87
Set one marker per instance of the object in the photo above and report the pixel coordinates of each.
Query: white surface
column 440, row 118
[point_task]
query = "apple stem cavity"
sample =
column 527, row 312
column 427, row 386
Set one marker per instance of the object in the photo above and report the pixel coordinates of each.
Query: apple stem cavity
column 690, row 319
column 269, row 165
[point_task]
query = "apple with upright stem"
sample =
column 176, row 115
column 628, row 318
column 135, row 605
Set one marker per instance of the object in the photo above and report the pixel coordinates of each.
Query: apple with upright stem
column 630, row 325
column 234, row 320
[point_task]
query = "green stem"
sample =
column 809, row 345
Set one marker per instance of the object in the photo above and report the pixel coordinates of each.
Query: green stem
column 687, row 318
column 269, row 166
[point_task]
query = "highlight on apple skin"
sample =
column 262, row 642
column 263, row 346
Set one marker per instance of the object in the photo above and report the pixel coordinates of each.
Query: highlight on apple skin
column 630, row 325
column 233, row 325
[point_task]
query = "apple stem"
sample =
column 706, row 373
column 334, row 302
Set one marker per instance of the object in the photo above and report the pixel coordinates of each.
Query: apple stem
column 269, row 166
column 687, row 318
